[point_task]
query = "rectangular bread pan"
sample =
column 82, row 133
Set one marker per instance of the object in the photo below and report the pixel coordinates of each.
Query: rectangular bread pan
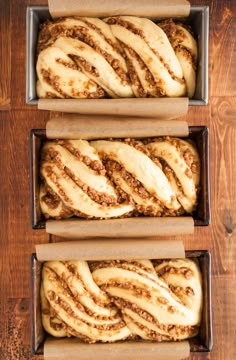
column 198, row 18
column 201, row 343
column 200, row 136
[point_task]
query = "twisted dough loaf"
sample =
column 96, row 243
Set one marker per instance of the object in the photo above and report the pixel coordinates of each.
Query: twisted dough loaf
column 123, row 56
column 116, row 178
column 117, row 300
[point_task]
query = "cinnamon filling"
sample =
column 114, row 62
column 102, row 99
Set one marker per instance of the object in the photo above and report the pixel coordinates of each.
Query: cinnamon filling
column 93, row 164
column 49, row 35
column 179, row 290
column 99, row 197
column 139, row 189
column 53, row 80
column 71, row 293
column 148, row 77
column 124, row 304
column 112, row 165
column 118, row 263
column 176, row 37
column 50, row 32
column 128, row 285
column 149, row 333
column 126, row 266
column 187, row 273
column 67, row 64
column 53, row 177
column 171, row 331
column 52, row 201
column 99, row 31
column 134, row 78
column 66, row 307
column 85, row 65
column 129, row 26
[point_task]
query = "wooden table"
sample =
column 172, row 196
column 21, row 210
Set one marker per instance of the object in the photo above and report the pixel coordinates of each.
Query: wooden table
column 17, row 238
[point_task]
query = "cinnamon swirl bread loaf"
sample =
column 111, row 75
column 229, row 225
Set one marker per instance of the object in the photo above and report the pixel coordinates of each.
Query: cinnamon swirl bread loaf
column 116, row 178
column 117, row 300
column 117, row 57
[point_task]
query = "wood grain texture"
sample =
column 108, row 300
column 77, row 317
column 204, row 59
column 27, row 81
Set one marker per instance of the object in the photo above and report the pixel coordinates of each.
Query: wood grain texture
column 5, row 57
column 222, row 46
column 16, row 237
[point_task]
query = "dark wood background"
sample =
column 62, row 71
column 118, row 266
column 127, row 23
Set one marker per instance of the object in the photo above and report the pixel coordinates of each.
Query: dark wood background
column 17, row 239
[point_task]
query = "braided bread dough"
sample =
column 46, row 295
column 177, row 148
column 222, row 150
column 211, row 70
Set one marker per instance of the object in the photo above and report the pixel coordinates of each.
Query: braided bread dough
column 116, row 300
column 185, row 47
column 72, row 83
column 106, row 178
column 121, row 56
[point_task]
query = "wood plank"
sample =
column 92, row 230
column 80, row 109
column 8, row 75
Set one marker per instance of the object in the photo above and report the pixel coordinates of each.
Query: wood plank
column 222, row 49
column 224, row 313
column 19, row 233
column 4, row 216
column 5, row 57
column 17, row 342
column 223, row 186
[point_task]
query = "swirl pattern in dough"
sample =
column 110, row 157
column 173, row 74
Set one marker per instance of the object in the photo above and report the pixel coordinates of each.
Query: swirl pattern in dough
column 117, row 57
column 117, row 300
column 116, row 178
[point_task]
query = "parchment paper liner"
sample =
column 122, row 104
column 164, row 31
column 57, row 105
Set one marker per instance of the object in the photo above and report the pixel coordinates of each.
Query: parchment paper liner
column 73, row 349
column 104, row 249
column 147, row 8
column 107, row 249
column 159, row 108
column 100, row 127
column 129, row 227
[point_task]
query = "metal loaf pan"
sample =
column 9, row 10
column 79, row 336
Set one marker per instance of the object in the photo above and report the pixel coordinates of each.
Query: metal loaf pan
column 200, row 136
column 201, row 343
column 198, row 18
